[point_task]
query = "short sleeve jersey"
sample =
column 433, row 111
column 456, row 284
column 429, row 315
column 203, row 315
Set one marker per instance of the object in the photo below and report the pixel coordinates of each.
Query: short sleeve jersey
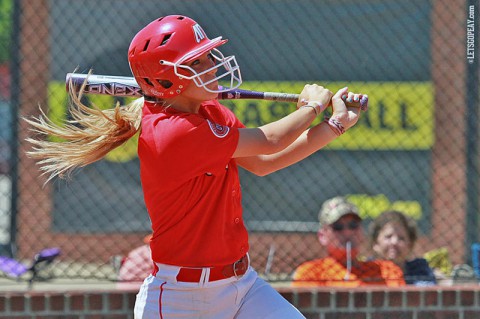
column 329, row 272
column 191, row 186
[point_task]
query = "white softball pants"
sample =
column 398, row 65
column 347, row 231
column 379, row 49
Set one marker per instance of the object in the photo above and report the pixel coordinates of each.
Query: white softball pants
column 249, row 297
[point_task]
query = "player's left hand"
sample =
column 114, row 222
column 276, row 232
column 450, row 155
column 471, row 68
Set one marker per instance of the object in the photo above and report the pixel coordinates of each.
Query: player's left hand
column 346, row 115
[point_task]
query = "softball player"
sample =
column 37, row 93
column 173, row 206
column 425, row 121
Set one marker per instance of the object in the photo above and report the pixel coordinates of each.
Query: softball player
column 189, row 149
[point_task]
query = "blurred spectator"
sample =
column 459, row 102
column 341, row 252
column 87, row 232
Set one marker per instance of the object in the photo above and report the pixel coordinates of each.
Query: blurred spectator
column 341, row 233
column 392, row 237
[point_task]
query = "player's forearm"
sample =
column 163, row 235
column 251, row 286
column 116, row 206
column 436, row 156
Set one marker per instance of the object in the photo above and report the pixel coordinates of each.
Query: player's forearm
column 274, row 137
column 306, row 144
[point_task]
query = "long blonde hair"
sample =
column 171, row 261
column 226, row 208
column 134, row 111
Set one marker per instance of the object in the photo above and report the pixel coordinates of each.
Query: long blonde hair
column 86, row 138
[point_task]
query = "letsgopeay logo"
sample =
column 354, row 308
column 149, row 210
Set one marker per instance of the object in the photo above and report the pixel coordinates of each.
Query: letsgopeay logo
column 218, row 130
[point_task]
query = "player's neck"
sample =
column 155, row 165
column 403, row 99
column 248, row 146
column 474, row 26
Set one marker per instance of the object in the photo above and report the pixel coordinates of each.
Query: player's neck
column 185, row 105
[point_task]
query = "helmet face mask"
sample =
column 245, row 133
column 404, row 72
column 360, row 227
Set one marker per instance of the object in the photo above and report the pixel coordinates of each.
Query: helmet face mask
column 227, row 65
column 159, row 54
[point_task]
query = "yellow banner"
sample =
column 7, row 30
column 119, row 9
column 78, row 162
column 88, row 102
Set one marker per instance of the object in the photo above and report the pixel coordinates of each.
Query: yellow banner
column 400, row 115
column 372, row 206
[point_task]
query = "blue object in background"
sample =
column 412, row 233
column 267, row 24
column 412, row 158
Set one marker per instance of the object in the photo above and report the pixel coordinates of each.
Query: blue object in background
column 476, row 259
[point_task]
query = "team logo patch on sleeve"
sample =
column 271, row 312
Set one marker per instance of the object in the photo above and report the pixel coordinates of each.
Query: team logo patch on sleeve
column 218, row 130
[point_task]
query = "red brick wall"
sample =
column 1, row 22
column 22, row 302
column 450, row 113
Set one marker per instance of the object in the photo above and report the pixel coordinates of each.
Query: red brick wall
column 457, row 302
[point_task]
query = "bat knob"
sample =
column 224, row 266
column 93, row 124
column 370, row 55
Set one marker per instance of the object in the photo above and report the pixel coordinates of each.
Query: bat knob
column 364, row 103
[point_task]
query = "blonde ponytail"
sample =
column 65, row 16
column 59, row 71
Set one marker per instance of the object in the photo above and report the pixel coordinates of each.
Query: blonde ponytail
column 86, row 138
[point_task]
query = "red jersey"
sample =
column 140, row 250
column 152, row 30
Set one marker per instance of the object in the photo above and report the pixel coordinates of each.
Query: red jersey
column 191, row 186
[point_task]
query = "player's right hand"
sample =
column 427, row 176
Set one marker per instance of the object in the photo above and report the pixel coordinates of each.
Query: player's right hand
column 313, row 93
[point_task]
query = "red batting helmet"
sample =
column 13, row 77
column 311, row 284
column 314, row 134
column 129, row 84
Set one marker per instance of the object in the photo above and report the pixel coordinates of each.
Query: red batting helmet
column 159, row 52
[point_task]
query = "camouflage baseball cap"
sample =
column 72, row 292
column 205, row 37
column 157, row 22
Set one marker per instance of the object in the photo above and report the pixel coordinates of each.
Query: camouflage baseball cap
column 335, row 208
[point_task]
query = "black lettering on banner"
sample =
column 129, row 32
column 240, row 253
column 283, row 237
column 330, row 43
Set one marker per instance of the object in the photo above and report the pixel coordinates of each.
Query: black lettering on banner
column 365, row 120
column 230, row 105
column 376, row 117
column 381, row 116
column 279, row 110
column 251, row 116
column 405, row 123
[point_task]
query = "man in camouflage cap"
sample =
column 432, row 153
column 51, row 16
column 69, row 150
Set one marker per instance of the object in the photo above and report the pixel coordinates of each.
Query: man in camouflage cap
column 333, row 209
column 341, row 234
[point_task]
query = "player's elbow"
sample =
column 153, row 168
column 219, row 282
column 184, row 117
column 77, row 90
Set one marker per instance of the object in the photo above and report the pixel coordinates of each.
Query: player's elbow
column 275, row 143
column 274, row 146
column 258, row 166
column 258, row 142
column 261, row 172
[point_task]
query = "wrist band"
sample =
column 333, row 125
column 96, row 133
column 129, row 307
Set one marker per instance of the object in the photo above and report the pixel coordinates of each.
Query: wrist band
column 317, row 106
column 335, row 126
column 308, row 105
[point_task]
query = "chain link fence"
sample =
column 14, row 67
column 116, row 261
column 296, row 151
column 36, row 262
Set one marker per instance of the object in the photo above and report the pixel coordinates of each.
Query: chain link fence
column 415, row 150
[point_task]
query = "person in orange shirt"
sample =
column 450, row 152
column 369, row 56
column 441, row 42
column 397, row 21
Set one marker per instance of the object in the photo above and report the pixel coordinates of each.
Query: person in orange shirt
column 341, row 234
